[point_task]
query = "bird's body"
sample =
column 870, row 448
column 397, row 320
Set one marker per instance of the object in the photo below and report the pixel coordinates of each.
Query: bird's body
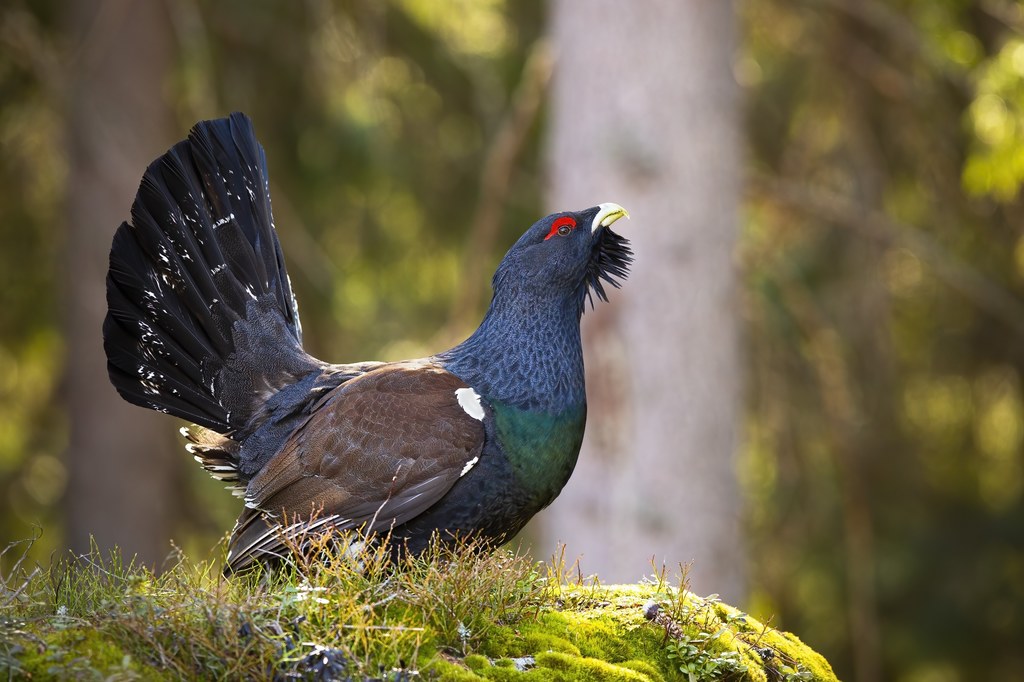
column 475, row 440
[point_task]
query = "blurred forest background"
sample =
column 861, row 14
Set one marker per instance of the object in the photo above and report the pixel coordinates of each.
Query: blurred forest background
column 880, row 263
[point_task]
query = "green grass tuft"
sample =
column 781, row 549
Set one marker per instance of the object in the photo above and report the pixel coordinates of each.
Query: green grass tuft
column 450, row 615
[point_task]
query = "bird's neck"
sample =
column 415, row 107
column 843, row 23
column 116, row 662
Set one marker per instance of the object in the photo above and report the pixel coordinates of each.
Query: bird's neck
column 525, row 354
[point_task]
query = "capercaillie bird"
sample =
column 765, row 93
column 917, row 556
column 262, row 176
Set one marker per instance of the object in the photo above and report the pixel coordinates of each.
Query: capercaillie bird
column 202, row 324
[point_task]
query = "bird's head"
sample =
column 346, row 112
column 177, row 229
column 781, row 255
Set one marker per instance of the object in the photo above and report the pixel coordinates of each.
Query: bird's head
column 567, row 254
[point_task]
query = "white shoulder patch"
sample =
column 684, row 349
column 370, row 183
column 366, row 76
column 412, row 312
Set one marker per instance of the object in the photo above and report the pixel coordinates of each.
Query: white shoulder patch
column 470, row 402
column 469, row 465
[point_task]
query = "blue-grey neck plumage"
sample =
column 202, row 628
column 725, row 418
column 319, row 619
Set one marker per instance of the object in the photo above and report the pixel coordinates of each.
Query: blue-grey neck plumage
column 526, row 353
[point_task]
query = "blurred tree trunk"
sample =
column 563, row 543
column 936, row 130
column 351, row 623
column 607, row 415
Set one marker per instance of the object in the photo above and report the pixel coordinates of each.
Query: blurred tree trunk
column 645, row 113
column 121, row 473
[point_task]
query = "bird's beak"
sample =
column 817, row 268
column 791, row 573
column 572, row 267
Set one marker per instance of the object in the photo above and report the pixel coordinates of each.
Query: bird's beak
column 606, row 215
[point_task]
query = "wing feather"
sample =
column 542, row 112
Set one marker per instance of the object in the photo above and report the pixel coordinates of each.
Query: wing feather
column 381, row 449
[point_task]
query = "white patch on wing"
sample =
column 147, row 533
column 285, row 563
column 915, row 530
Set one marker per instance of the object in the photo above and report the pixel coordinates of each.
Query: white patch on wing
column 470, row 402
column 469, row 465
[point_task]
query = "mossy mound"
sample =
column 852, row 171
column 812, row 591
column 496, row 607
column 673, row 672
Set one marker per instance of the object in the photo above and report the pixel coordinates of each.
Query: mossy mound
column 445, row 616
column 632, row 633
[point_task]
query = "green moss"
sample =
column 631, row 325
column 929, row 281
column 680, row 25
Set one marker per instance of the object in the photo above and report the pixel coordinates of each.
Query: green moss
column 602, row 635
column 586, row 668
column 791, row 651
column 608, row 625
column 551, row 666
column 446, row 671
column 542, row 642
column 595, row 634
column 80, row 653
column 529, row 637
column 644, row 668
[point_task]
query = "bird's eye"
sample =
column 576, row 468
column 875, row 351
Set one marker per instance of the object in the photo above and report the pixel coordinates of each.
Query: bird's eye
column 562, row 227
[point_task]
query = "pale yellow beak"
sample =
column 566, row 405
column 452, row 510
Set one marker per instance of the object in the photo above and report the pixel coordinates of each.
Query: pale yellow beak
column 606, row 215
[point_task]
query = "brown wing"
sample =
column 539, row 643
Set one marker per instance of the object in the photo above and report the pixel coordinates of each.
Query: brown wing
column 379, row 450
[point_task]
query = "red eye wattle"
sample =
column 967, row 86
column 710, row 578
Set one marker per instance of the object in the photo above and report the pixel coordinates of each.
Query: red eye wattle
column 561, row 227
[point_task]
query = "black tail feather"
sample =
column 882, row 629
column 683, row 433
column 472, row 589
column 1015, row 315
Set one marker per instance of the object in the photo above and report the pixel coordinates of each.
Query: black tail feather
column 202, row 322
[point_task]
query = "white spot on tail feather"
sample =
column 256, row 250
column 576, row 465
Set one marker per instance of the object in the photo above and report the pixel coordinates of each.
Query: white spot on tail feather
column 470, row 402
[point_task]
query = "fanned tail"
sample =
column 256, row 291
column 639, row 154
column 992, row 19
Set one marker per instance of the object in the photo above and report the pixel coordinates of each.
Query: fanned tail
column 201, row 320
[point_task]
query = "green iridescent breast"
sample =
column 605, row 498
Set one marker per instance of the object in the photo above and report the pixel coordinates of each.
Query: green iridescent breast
column 542, row 447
